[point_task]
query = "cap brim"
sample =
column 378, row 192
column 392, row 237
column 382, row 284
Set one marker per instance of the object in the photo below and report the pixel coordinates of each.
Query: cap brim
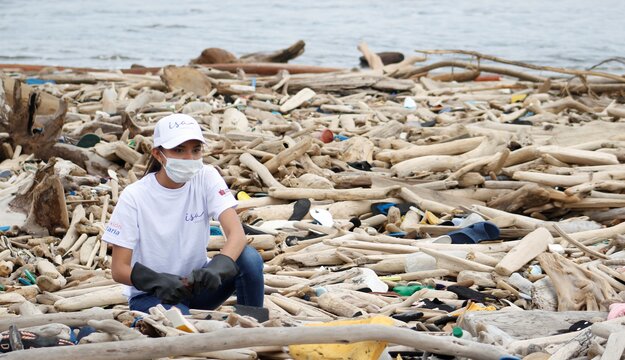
column 180, row 139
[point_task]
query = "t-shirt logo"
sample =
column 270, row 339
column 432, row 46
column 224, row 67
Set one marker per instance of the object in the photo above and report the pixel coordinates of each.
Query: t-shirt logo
column 223, row 192
column 191, row 216
column 114, row 228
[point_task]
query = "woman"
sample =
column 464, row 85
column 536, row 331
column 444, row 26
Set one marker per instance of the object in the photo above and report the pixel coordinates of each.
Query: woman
column 161, row 225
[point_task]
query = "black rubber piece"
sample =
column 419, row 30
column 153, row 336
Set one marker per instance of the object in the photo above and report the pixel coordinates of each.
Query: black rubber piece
column 259, row 313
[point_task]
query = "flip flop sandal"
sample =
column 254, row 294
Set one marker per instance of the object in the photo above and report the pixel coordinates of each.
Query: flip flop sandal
column 443, row 239
column 322, row 216
column 408, row 316
column 88, row 141
column 465, row 293
column 475, row 233
column 249, row 230
column 360, row 165
column 300, row 209
column 381, row 208
column 272, row 226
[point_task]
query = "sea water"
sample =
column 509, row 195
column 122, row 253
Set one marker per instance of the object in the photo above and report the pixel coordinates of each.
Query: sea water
column 118, row 33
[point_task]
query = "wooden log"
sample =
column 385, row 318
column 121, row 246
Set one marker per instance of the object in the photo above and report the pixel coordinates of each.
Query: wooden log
column 574, row 347
column 187, row 78
column 615, row 347
column 260, row 169
column 337, row 195
column 426, row 274
column 49, row 279
column 454, row 263
column 87, row 248
column 107, row 297
column 425, row 204
column 432, row 163
column 259, row 242
column 334, row 304
column 48, row 208
column 115, row 328
column 296, row 100
column 6, row 268
column 530, row 246
column 579, row 245
column 373, row 60
column 576, row 287
column 124, row 152
column 77, row 290
column 242, row 338
column 578, row 156
column 288, row 155
column 71, row 235
column 479, row 278
column 70, row 319
column 527, row 196
column 566, row 180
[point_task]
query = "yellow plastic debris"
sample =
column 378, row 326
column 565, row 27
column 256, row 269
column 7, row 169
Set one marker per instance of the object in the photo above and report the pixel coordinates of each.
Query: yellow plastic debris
column 478, row 307
column 364, row 350
column 471, row 306
column 390, row 278
column 242, row 195
column 517, row 98
column 430, row 218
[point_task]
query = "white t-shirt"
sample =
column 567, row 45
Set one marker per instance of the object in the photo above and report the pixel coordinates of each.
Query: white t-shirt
column 168, row 229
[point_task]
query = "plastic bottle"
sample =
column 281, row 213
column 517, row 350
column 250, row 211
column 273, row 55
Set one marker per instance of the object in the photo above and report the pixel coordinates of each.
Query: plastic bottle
column 419, row 261
column 409, row 289
column 109, row 100
column 517, row 280
column 461, row 334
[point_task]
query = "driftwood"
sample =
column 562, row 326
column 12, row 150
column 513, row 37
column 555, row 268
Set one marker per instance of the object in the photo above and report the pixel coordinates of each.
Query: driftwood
column 529, row 247
column 589, row 291
column 278, row 56
column 240, row 338
column 70, row 319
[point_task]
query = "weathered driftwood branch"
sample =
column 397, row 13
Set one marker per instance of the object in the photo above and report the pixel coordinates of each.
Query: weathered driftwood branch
column 527, row 65
column 70, row 319
column 242, row 338
column 528, row 248
column 577, row 288
column 578, row 244
column 260, row 169
column 336, row 195
column 288, row 155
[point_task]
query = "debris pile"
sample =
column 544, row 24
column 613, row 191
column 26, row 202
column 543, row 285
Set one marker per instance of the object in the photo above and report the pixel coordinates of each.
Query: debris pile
column 474, row 213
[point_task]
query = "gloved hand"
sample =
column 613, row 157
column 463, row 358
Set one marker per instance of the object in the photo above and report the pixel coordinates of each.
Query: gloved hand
column 167, row 287
column 220, row 269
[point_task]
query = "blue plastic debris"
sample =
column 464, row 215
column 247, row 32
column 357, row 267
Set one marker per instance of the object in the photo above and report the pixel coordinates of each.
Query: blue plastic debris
column 36, row 81
column 216, row 230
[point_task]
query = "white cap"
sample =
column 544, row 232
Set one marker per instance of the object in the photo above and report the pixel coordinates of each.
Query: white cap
column 173, row 130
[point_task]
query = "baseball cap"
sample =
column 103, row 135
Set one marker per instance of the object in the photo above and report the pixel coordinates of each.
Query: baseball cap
column 173, row 130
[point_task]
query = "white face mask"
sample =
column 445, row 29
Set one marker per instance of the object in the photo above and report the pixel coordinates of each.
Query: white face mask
column 182, row 170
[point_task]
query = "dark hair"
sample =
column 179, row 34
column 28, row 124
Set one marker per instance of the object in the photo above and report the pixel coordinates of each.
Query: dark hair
column 153, row 165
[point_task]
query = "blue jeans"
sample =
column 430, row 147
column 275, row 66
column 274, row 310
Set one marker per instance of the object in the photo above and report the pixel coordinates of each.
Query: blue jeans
column 249, row 285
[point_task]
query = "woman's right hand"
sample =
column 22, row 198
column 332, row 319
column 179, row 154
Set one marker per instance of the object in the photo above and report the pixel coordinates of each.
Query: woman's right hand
column 167, row 287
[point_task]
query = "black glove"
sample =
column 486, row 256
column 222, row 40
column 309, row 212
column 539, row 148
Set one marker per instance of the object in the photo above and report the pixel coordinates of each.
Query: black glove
column 220, row 269
column 167, row 287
